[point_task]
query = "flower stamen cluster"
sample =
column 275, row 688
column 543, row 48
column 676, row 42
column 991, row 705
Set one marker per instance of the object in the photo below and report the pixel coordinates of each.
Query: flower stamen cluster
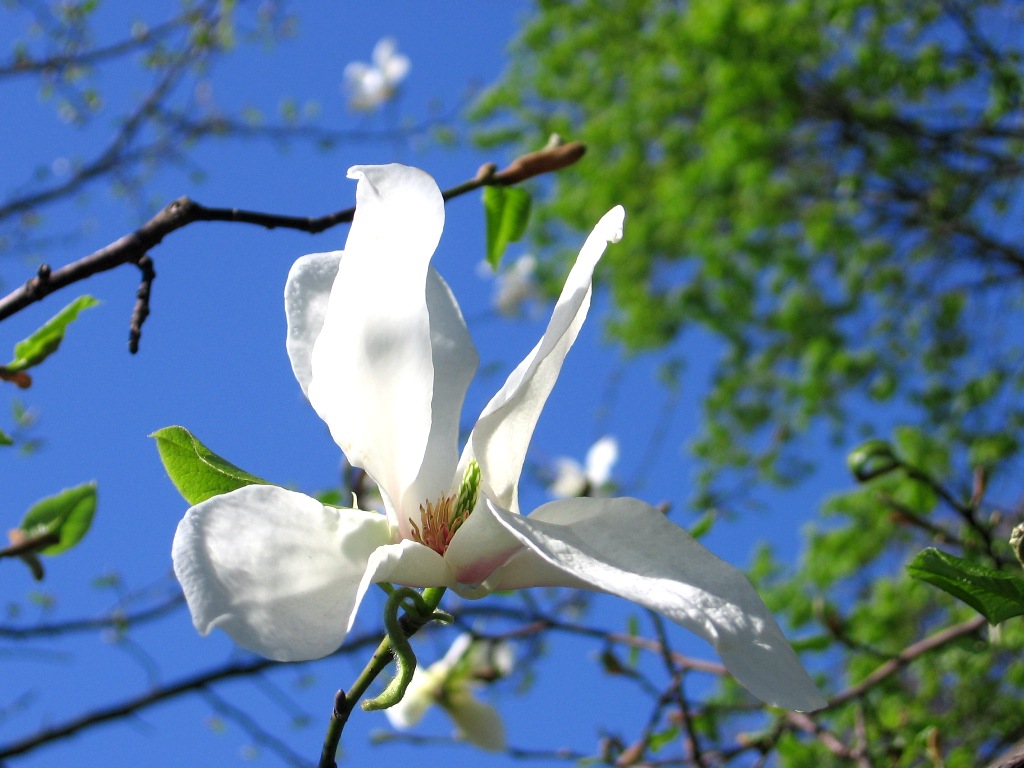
column 439, row 523
column 443, row 519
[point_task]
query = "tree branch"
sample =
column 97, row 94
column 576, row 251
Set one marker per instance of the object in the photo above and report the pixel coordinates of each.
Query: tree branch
column 133, row 247
column 197, row 682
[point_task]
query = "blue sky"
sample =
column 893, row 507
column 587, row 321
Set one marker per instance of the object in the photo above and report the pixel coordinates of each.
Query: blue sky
column 213, row 359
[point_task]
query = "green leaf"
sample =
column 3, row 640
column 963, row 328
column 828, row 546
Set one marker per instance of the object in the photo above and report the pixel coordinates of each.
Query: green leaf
column 994, row 594
column 5, row 439
column 508, row 211
column 45, row 341
column 68, row 514
column 704, row 524
column 196, row 471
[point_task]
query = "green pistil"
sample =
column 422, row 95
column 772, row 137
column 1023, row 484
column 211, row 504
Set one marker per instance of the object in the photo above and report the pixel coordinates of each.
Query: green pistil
column 469, row 491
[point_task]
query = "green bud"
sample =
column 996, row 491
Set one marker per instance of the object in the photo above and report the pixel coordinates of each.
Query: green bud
column 872, row 459
column 1017, row 542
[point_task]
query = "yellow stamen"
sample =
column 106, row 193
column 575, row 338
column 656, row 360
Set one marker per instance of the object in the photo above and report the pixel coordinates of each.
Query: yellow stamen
column 440, row 521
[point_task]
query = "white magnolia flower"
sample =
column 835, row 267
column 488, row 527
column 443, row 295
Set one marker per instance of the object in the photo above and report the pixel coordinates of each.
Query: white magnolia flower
column 572, row 479
column 449, row 683
column 379, row 345
column 370, row 85
column 516, row 286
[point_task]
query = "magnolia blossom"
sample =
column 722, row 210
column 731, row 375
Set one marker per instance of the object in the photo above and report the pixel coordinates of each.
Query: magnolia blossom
column 370, row 85
column 449, row 683
column 516, row 286
column 379, row 346
column 571, row 479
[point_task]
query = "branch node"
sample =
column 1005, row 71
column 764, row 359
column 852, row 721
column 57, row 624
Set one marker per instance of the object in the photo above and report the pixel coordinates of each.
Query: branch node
column 486, row 171
column 37, row 287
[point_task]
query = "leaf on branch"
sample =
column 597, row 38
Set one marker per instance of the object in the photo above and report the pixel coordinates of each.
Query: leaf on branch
column 68, row 515
column 508, row 211
column 196, row 471
column 45, row 341
column 994, row 594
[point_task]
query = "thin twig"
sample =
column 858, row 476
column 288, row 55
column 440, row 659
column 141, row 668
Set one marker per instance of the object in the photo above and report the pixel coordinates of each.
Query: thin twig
column 131, row 248
column 691, row 740
column 907, row 655
column 141, row 311
column 135, row 704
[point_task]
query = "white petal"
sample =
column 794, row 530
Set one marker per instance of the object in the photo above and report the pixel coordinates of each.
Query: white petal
column 527, row 569
column 502, row 434
column 570, row 479
column 515, row 286
column 393, row 65
column 600, row 459
column 426, row 686
column 395, row 69
column 275, row 569
column 423, row 691
column 480, row 723
column 383, row 51
column 481, row 545
column 627, row 548
column 305, row 303
column 354, row 73
column 393, row 360
column 409, row 564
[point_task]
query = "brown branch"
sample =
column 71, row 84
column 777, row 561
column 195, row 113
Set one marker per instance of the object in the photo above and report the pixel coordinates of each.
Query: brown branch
column 131, row 248
column 907, row 655
column 195, row 683
column 115, row 619
column 141, row 311
column 27, row 545
column 22, row 64
column 691, row 739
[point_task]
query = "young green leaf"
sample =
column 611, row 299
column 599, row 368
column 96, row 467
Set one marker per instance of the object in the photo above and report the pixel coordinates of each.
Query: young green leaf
column 508, row 211
column 196, row 471
column 68, row 514
column 994, row 594
column 5, row 439
column 45, row 341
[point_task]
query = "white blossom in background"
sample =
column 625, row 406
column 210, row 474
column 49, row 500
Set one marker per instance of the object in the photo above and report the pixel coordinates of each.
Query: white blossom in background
column 379, row 345
column 590, row 479
column 367, row 86
column 450, row 684
column 516, row 286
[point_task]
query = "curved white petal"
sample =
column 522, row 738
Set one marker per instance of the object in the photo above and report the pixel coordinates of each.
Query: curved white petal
column 502, row 434
column 600, row 459
column 427, row 685
column 275, row 569
column 627, row 548
column 570, row 479
column 354, row 73
column 480, row 723
column 394, row 358
column 407, row 563
column 481, row 545
column 423, row 692
column 305, row 303
column 527, row 569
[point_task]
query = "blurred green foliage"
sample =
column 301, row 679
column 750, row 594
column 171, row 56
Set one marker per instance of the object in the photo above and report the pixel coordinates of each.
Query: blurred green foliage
column 827, row 185
column 832, row 188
